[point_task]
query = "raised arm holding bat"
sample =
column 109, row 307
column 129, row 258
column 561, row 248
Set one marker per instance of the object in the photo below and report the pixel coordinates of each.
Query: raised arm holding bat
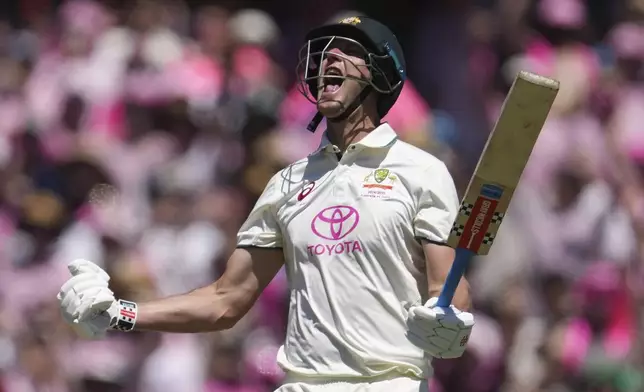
column 362, row 226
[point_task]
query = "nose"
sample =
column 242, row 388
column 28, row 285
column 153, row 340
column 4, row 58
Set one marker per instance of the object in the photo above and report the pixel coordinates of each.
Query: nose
column 332, row 56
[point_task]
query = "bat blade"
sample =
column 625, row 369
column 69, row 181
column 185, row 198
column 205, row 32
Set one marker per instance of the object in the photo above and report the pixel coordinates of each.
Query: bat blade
column 499, row 169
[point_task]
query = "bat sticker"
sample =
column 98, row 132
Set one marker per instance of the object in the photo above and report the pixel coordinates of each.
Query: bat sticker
column 475, row 232
column 491, row 191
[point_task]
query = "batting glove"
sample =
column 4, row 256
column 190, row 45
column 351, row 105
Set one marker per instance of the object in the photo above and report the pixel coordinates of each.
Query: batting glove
column 89, row 306
column 441, row 332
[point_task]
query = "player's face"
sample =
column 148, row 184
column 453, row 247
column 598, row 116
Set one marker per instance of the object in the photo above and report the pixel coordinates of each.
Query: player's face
column 344, row 66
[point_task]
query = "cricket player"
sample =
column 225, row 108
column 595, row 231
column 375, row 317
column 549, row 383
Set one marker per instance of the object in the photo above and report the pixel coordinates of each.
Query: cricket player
column 360, row 226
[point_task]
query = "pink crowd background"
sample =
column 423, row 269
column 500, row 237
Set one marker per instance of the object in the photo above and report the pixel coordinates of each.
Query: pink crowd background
column 138, row 134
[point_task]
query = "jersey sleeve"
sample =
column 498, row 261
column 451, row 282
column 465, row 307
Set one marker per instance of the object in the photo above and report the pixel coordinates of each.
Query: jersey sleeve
column 437, row 205
column 261, row 228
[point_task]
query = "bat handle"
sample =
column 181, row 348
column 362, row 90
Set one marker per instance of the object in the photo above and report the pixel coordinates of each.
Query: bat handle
column 461, row 261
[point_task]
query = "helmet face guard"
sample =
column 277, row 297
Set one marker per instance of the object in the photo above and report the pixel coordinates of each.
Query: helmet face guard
column 311, row 75
column 378, row 46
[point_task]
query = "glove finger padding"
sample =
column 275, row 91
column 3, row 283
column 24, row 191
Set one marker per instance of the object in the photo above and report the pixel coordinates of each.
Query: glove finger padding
column 423, row 344
column 104, row 300
column 85, row 277
column 424, row 320
column 86, row 300
column 70, row 303
column 80, row 266
column 432, row 337
column 432, row 314
column 74, row 295
column 437, row 346
column 86, row 292
column 88, row 288
column 100, row 301
column 68, row 299
column 441, row 332
column 447, row 334
column 425, row 324
column 466, row 320
column 450, row 318
column 424, row 313
column 432, row 329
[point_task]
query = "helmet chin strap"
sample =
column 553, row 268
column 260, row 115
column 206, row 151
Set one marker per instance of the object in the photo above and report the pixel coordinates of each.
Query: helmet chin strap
column 359, row 100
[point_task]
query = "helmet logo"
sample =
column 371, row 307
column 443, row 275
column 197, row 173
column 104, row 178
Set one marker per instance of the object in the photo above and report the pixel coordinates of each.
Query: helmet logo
column 397, row 64
column 353, row 20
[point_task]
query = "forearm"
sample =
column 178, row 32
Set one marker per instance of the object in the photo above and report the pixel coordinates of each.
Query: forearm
column 202, row 310
column 220, row 305
column 461, row 300
column 438, row 260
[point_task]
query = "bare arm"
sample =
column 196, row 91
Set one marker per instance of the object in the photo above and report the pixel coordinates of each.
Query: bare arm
column 217, row 306
column 439, row 259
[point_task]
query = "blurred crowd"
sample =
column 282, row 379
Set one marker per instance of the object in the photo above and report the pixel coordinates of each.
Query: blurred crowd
column 138, row 134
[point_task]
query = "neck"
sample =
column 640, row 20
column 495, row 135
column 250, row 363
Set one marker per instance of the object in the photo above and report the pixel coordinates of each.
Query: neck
column 351, row 130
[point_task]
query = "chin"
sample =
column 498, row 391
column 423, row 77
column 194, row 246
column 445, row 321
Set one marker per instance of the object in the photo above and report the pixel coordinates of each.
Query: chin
column 330, row 109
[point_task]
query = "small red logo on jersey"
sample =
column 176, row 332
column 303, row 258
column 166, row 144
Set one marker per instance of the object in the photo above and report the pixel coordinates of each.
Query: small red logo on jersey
column 306, row 190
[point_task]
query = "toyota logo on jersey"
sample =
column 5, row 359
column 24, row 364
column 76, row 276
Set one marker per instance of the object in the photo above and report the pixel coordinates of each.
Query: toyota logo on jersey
column 334, row 224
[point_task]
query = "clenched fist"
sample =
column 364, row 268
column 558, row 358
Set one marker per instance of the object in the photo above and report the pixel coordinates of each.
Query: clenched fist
column 89, row 306
column 441, row 332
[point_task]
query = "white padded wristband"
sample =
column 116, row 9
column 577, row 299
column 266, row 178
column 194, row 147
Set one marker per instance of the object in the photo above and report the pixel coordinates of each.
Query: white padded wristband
column 126, row 317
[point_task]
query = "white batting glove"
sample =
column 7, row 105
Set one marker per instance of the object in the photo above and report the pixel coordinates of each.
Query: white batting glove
column 89, row 306
column 441, row 332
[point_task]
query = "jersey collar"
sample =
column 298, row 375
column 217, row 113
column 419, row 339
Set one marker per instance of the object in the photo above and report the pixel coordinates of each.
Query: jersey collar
column 380, row 137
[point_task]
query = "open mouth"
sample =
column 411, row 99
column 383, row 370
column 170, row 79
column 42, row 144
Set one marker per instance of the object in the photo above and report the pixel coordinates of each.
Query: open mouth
column 332, row 80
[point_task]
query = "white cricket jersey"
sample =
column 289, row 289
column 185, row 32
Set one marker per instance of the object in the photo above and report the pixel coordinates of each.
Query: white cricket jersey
column 350, row 231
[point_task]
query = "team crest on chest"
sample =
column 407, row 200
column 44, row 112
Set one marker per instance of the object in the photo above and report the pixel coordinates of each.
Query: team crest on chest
column 378, row 184
column 380, row 175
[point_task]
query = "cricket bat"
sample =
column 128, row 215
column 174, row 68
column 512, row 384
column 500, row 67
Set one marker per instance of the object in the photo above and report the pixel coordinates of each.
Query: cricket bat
column 498, row 171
